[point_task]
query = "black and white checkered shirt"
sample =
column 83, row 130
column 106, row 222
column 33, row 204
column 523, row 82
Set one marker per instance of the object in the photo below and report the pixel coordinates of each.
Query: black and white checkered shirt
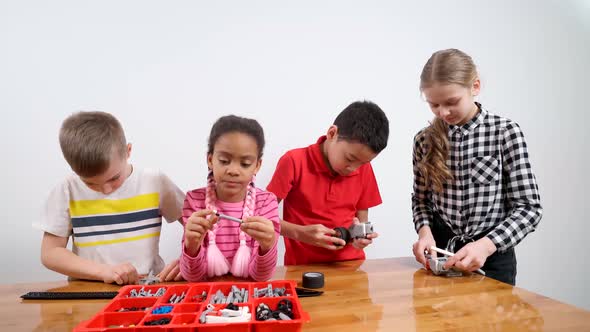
column 494, row 190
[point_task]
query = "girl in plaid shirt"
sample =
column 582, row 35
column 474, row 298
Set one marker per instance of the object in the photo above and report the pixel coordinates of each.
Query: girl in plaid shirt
column 475, row 193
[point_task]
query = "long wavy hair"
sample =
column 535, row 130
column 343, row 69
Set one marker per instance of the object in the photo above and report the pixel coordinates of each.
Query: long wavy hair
column 449, row 66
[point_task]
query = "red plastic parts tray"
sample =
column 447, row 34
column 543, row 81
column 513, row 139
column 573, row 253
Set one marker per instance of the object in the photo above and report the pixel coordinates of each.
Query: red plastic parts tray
column 184, row 316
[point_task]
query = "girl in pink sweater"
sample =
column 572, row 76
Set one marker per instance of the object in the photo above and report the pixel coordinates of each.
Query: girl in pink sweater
column 213, row 245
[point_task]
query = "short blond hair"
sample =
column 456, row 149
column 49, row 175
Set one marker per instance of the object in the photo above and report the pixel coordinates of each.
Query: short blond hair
column 88, row 140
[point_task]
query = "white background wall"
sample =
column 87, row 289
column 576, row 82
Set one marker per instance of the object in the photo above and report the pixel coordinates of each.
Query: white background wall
column 167, row 70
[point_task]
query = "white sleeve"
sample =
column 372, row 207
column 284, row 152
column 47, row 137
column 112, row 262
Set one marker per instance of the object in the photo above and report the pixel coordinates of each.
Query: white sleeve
column 55, row 218
column 171, row 199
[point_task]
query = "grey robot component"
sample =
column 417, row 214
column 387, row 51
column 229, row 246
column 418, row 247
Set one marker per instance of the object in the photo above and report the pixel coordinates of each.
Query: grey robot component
column 355, row 231
column 436, row 265
column 360, row 231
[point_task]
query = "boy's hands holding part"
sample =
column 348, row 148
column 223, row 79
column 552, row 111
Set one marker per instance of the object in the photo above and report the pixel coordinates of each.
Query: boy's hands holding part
column 122, row 274
column 195, row 229
column 363, row 243
column 55, row 256
column 320, row 236
column 262, row 230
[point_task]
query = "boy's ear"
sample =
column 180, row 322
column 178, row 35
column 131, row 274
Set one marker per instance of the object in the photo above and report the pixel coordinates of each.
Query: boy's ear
column 129, row 148
column 332, row 132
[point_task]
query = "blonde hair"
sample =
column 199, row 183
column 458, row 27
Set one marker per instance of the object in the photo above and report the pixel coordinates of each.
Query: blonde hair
column 449, row 66
column 88, row 140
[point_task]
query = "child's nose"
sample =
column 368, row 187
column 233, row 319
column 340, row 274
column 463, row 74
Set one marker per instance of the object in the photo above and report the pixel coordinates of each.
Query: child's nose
column 353, row 166
column 443, row 112
column 107, row 189
column 233, row 170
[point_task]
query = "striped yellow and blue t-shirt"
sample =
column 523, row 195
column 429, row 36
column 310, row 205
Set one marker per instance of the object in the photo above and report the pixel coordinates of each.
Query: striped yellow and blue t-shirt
column 123, row 226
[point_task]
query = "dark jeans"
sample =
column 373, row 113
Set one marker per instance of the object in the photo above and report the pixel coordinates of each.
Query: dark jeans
column 499, row 266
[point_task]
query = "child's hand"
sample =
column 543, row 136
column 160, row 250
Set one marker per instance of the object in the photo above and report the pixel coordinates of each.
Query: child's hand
column 196, row 228
column 262, row 230
column 363, row 243
column 122, row 274
column 472, row 256
column 320, row 236
column 171, row 272
column 425, row 241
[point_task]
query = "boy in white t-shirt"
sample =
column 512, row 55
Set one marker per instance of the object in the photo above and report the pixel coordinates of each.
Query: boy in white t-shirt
column 112, row 210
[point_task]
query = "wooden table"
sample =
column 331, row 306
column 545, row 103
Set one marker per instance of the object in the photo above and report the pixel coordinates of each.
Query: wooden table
column 374, row 295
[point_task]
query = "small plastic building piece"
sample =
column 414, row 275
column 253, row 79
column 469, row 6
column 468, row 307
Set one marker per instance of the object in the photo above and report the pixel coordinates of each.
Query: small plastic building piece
column 224, row 216
column 199, row 297
column 231, row 310
column 205, row 312
column 162, row 310
column 285, row 306
column 263, row 312
column 175, row 298
column 269, row 291
column 161, row 321
column 150, row 279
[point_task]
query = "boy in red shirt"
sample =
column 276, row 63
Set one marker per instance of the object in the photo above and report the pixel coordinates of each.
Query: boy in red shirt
column 331, row 184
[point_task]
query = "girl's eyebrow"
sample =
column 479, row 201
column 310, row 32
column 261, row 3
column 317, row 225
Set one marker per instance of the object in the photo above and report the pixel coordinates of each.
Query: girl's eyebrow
column 227, row 154
column 454, row 98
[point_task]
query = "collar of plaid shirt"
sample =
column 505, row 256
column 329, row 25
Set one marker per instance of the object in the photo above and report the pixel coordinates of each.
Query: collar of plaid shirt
column 471, row 124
